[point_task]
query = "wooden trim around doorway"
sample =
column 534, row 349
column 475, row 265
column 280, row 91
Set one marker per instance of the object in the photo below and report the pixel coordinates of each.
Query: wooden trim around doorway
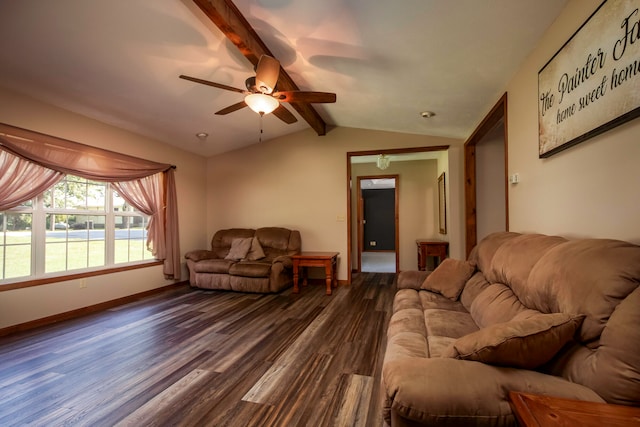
column 350, row 184
column 498, row 112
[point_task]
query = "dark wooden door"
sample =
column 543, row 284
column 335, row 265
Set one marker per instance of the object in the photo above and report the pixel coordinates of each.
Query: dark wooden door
column 379, row 219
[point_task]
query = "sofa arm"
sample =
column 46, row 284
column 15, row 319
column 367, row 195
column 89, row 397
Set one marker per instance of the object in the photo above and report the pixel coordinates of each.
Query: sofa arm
column 411, row 279
column 441, row 391
column 199, row 255
column 286, row 260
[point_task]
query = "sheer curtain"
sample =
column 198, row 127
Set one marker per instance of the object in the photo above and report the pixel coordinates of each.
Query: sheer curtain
column 31, row 162
column 21, row 180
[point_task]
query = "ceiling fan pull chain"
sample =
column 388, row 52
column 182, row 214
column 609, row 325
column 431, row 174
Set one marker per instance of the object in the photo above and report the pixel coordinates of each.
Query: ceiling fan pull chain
column 261, row 116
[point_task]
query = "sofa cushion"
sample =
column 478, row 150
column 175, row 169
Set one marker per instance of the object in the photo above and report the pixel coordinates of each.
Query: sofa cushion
column 448, row 323
column 239, row 248
column 449, row 278
column 213, row 266
column 514, row 259
column 497, row 304
column 250, row 269
column 255, row 252
column 524, row 343
column 475, row 285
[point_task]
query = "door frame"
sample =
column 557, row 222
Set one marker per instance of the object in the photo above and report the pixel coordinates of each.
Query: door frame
column 498, row 112
column 360, row 217
column 350, row 184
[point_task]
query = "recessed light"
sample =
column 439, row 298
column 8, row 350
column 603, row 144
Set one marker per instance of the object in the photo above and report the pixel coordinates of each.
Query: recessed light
column 427, row 114
column 202, row 135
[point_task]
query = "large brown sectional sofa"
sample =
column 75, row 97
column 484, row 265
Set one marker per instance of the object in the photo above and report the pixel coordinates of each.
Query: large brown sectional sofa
column 535, row 313
column 246, row 260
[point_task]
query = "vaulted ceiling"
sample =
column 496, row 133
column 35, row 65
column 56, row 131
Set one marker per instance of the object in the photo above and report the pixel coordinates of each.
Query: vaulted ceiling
column 118, row 61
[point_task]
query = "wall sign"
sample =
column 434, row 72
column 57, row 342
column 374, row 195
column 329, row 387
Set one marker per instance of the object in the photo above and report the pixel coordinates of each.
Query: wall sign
column 592, row 84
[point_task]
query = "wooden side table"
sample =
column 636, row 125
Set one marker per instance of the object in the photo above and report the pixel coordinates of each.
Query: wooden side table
column 536, row 410
column 328, row 260
column 434, row 248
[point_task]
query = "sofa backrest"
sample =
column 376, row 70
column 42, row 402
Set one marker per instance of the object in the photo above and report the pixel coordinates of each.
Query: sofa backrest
column 600, row 278
column 275, row 241
column 222, row 239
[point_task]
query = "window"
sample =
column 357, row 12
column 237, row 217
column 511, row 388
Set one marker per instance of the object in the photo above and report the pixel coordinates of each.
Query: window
column 76, row 225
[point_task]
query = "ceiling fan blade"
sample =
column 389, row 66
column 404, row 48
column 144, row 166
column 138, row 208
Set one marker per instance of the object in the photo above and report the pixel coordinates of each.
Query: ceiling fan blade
column 208, row 83
column 231, row 108
column 285, row 115
column 303, row 96
column 267, row 73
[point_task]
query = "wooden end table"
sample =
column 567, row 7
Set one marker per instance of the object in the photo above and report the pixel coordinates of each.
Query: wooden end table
column 434, row 248
column 536, row 410
column 328, row 260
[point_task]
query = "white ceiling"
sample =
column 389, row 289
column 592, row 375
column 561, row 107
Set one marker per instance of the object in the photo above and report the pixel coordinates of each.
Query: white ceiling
column 118, row 61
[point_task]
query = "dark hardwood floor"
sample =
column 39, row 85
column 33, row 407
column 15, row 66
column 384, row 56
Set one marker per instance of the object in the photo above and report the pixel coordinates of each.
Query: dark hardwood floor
column 206, row 358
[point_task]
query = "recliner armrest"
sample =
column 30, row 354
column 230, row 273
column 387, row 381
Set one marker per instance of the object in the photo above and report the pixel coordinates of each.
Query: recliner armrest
column 285, row 260
column 432, row 391
column 200, row 254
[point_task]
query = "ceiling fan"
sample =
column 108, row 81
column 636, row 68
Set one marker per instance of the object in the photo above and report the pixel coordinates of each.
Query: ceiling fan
column 261, row 95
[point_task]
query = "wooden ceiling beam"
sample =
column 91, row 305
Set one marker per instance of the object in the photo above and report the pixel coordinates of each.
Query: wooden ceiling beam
column 226, row 16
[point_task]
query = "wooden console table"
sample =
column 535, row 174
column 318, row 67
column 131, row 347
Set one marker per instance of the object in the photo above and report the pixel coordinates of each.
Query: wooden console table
column 536, row 410
column 328, row 260
column 434, row 248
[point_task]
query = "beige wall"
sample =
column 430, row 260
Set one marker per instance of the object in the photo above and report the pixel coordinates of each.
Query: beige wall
column 300, row 181
column 592, row 189
column 418, row 205
column 23, row 305
column 490, row 188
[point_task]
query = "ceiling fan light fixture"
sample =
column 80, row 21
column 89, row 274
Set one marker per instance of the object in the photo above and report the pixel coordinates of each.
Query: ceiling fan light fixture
column 261, row 103
column 383, row 161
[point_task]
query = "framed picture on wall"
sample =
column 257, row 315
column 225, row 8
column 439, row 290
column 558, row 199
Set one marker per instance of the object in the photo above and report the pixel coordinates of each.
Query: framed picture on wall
column 442, row 204
column 592, row 84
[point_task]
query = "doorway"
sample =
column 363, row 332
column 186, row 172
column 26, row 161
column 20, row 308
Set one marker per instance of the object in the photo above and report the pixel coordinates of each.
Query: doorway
column 378, row 224
column 416, row 220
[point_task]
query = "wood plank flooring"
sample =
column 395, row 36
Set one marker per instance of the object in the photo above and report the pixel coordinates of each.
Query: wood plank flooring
column 206, row 358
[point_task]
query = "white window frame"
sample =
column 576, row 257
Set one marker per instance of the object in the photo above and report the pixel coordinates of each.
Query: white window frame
column 38, row 236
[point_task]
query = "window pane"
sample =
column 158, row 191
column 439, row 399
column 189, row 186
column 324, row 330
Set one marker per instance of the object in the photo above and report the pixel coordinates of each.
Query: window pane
column 96, row 253
column 15, row 243
column 77, row 254
column 75, row 192
column 130, row 239
column 55, row 256
column 17, row 261
column 120, row 204
column 77, row 242
column 96, row 196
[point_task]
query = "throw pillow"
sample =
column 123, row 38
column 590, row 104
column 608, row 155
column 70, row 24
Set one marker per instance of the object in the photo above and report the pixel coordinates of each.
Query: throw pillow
column 525, row 343
column 256, row 252
column 239, row 249
column 449, row 277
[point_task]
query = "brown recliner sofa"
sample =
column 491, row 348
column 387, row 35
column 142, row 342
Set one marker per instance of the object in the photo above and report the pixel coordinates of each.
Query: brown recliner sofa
column 526, row 312
column 246, row 260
